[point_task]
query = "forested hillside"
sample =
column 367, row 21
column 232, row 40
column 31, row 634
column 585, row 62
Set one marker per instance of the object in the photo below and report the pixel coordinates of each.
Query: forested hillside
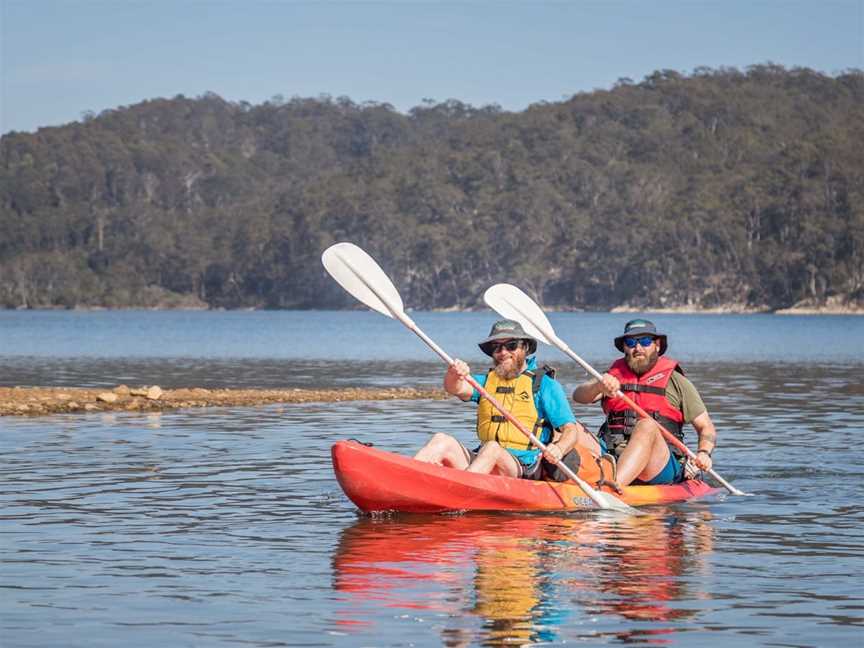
column 719, row 188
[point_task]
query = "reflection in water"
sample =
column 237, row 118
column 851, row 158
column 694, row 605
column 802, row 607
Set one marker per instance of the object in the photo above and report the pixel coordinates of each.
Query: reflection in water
column 524, row 578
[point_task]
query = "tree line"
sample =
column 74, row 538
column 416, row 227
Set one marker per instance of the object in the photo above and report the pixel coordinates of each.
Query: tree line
column 719, row 188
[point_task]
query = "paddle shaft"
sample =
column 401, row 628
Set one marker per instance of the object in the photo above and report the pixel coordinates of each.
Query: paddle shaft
column 671, row 438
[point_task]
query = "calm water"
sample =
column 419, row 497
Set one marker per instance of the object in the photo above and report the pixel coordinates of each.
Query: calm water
column 226, row 526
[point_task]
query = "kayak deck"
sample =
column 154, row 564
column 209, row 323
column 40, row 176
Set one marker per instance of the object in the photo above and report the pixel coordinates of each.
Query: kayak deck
column 376, row 480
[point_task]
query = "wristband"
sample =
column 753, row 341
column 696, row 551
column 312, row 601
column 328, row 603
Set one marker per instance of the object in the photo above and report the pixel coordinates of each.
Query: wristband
column 708, row 452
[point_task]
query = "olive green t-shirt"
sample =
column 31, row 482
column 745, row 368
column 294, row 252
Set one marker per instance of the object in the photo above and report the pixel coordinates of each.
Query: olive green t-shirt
column 682, row 395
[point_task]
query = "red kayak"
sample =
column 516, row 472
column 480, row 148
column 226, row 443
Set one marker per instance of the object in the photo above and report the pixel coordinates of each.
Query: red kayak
column 376, row 480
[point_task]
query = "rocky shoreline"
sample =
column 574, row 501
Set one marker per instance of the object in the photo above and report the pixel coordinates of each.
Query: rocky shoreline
column 38, row 401
column 831, row 306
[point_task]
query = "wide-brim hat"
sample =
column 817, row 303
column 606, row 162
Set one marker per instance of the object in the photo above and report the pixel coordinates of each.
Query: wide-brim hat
column 638, row 328
column 507, row 330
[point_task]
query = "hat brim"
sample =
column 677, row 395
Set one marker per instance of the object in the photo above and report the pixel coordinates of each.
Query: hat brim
column 619, row 341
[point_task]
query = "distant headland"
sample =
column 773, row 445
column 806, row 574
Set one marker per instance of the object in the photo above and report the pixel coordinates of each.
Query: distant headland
column 723, row 190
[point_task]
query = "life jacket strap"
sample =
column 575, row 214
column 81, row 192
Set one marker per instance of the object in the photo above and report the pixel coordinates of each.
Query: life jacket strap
column 537, row 376
column 539, row 424
column 618, row 427
column 644, row 389
column 626, row 419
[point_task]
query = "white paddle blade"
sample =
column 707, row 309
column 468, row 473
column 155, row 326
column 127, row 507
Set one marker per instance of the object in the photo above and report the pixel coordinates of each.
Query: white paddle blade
column 612, row 503
column 603, row 501
column 360, row 275
column 510, row 302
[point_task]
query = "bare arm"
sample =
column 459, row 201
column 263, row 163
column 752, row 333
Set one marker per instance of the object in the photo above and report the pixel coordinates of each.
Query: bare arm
column 704, row 427
column 594, row 390
column 568, row 439
column 455, row 383
column 569, row 436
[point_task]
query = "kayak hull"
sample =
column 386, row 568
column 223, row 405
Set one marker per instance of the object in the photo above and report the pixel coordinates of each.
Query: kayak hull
column 376, row 480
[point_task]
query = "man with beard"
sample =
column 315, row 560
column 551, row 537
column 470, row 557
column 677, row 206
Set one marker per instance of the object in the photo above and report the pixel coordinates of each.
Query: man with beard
column 532, row 396
column 657, row 384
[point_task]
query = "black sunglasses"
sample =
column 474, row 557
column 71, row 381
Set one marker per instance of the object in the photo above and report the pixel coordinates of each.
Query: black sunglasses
column 512, row 345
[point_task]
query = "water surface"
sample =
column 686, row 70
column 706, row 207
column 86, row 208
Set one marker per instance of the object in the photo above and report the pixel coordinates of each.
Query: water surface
column 226, row 526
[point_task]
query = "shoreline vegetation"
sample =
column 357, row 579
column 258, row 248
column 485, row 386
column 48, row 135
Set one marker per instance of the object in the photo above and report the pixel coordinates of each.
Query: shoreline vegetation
column 721, row 190
column 40, row 401
column 803, row 308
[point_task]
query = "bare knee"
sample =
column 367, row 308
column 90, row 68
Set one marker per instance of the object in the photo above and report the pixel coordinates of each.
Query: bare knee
column 494, row 458
column 644, row 426
column 439, row 442
column 645, row 431
column 490, row 448
column 439, row 439
column 443, row 449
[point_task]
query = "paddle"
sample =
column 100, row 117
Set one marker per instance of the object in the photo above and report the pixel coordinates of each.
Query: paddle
column 513, row 303
column 360, row 275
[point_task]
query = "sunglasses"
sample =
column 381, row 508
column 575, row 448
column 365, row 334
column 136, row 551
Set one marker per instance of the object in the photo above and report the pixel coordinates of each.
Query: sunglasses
column 512, row 345
column 645, row 341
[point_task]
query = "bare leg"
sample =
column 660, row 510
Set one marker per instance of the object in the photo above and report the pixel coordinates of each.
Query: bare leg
column 443, row 450
column 645, row 456
column 493, row 459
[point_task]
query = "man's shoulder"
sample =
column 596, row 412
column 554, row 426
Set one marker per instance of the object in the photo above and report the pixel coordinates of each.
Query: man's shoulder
column 550, row 386
column 681, row 380
column 684, row 386
column 552, row 402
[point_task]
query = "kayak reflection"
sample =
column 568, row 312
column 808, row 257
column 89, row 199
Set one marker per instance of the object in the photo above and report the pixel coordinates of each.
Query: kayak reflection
column 523, row 578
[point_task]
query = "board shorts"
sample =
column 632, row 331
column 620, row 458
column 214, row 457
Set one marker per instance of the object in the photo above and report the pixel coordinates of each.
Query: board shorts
column 672, row 473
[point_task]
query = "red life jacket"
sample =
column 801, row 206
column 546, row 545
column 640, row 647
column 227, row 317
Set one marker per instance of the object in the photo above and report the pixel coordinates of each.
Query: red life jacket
column 649, row 392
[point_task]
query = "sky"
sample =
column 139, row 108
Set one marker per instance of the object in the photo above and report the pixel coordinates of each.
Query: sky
column 60, row 59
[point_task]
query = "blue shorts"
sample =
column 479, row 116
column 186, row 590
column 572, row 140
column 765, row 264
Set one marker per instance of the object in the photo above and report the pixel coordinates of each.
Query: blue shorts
column 672, row 473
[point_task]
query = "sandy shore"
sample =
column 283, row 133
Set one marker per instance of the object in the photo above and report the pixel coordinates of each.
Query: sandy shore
column 35, row 401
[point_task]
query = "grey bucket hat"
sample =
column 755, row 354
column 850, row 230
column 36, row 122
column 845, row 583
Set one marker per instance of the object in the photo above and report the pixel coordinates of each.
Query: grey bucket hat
column 507, row 330
column 638, row 328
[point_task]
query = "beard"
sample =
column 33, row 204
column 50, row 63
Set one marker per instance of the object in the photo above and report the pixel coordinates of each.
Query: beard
column 510, row 368
column 643, row 363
